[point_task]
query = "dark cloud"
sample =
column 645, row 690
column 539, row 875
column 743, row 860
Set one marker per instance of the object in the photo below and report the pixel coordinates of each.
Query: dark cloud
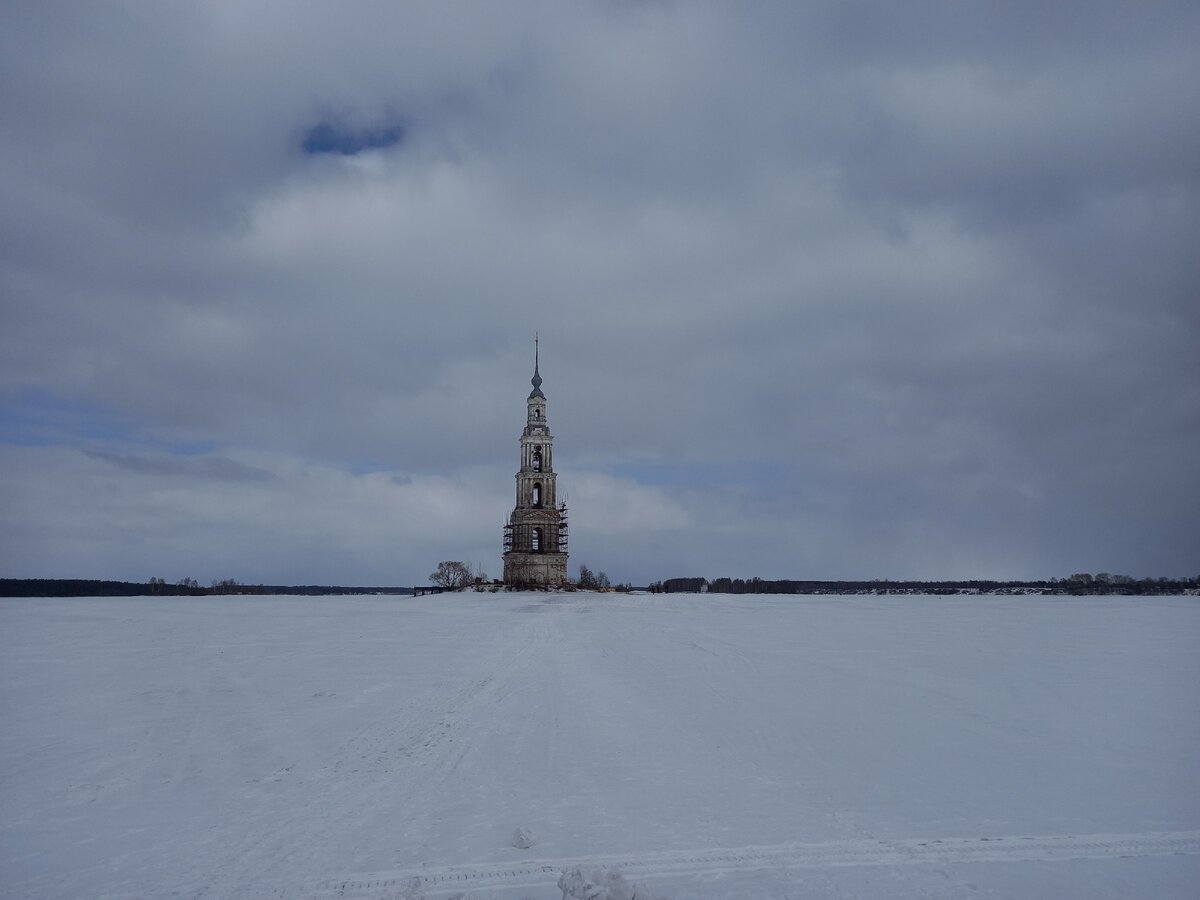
column 825, row 290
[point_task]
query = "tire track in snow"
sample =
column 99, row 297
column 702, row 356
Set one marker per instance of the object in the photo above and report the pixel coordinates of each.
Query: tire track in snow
column 415, row 750
column 945, row 851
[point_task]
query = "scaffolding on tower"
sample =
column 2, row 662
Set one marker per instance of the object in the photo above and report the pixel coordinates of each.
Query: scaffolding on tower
column 510, row 533
column 562, row 528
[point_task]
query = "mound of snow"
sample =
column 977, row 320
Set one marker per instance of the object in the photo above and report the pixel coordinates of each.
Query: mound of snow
column 599, row 885
column 523, row 839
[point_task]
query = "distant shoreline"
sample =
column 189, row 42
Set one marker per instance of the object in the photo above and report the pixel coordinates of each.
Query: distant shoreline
column 1081, row 584
column 83, row 587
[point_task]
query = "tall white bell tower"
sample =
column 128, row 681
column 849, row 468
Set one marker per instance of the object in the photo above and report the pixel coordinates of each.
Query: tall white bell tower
column 535, row 537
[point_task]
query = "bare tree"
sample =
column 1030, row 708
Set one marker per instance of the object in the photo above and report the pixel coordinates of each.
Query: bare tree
column 592, row 581
column 451, row 574
column 587, row 580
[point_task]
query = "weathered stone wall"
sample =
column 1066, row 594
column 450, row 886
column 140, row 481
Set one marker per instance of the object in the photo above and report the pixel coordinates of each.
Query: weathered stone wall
column 535, row 568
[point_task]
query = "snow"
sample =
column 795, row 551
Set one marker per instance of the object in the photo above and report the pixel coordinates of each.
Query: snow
column 523, row 838
column 604, row 884
column 698, row 746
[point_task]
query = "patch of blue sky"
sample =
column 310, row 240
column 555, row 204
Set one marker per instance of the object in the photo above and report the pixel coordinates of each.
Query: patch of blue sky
column 33, row 417
column 332, row 137
column 368, row 467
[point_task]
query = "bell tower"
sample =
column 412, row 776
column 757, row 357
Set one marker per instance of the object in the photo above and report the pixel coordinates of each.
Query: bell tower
column 535, row 538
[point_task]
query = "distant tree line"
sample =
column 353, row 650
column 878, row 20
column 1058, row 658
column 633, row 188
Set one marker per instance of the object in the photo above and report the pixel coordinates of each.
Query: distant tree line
column 1081, row 583
column 1077, row 584
column 155, row 587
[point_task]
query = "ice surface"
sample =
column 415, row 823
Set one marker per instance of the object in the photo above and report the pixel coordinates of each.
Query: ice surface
column 702, row 746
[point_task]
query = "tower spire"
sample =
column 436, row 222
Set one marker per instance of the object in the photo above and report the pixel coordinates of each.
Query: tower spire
column 536, row 381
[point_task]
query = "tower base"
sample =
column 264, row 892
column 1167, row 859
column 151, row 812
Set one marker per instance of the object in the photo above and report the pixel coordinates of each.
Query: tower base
column 540, row 569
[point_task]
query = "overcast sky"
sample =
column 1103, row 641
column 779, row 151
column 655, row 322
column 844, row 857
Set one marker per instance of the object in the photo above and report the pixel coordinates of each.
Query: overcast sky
column 825, row 290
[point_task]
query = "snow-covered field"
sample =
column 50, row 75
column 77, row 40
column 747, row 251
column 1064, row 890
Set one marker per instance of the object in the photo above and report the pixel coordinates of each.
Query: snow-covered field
column 705, row 746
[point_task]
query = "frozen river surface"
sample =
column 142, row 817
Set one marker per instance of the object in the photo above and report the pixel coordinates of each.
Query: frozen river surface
column 705, row 746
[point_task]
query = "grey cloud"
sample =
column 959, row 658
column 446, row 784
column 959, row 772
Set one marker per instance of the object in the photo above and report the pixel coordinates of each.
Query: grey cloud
column 219, row 468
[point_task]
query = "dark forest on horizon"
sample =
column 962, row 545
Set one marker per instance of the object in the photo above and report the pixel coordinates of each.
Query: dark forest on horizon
column 1077, row 584
column 89, row 587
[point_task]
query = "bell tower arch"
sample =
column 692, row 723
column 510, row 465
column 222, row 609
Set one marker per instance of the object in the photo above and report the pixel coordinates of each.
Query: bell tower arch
column 535, row 536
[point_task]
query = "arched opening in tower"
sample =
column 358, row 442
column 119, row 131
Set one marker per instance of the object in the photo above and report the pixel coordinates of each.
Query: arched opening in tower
column 537, row 460
column 537, row 494
column 536, row 542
